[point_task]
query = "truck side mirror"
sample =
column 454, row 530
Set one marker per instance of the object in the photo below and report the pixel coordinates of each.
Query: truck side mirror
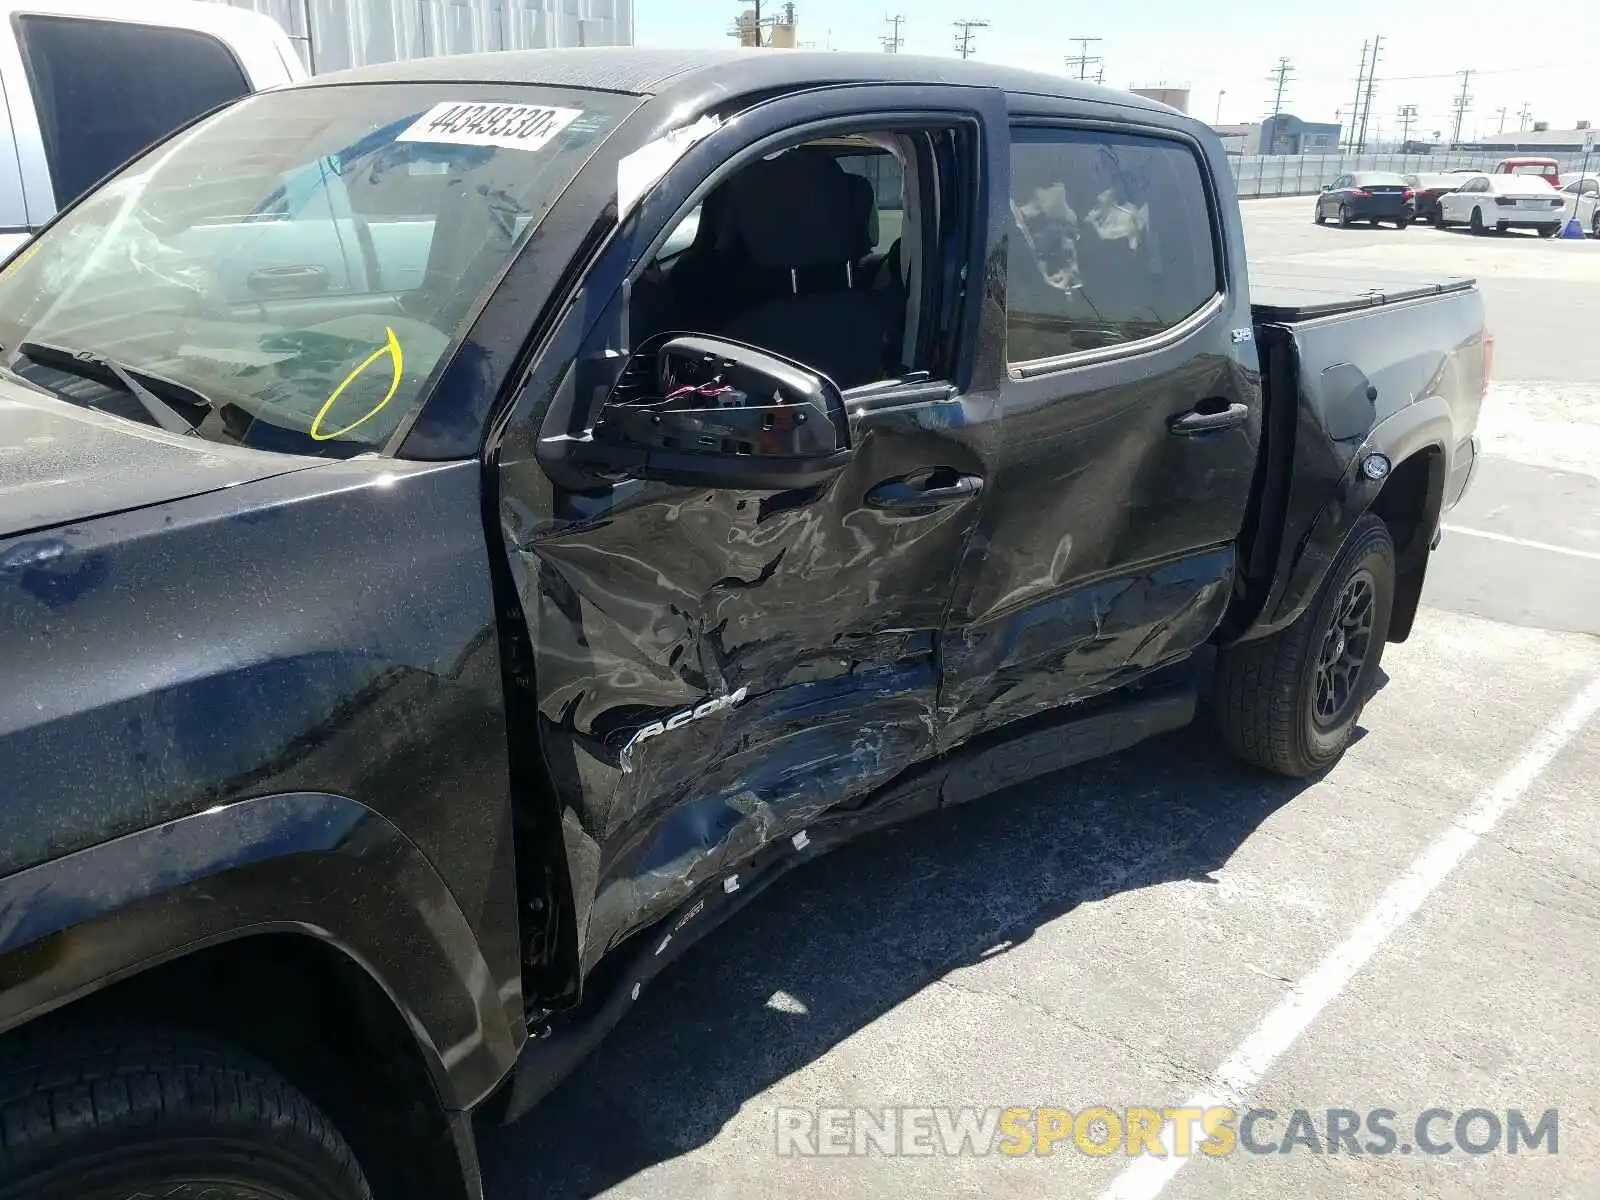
column 705, row 412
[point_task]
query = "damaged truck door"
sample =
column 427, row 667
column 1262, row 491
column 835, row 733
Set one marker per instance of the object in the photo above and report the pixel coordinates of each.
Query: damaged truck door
column 717, row 660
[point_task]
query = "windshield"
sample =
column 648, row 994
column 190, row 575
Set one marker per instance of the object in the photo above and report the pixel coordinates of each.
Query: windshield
column 290, row 272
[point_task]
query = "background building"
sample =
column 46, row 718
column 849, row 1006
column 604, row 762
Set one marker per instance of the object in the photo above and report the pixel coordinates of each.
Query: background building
column 1240, row 139
column 1176, row 97
column 1284, row 134
column 1541, row 139
column 332, row 34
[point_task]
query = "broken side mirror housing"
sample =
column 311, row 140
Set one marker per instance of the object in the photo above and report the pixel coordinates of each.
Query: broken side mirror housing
column 706, row 412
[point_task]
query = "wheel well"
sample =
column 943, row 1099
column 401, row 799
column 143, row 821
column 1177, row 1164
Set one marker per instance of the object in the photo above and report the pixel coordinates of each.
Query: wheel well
column 319, row 1019
column 1409, row 504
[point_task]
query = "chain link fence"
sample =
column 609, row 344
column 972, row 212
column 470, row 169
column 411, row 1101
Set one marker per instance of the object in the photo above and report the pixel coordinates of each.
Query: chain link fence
column 1303, row 174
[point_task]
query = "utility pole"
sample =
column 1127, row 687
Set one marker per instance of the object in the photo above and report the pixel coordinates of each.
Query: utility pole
column 1082, row 59
column 1372, row 82
column 893, row 41
column 1522, row 120
column 1355, row 109
column 1280, row 81
column 1408, row 114
column 964, row 38
column 1462, row 103
column 1502, row 128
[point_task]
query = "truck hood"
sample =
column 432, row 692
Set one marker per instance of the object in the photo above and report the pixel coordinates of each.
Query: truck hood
column 60, row 463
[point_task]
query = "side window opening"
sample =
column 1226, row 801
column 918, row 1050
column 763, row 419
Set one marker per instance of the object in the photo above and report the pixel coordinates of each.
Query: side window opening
column 105, row 90
column 1112, row 241
column 813, row 253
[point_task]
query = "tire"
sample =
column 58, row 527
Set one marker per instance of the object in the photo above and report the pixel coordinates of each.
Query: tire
column 1476, row 223
column 1320, row 217
column 134, row 1113
column 1438, row 218
column 1594, row 223
column 1344, row 216
column 1549, row 231
column 1401, row 223
column 1500, row 227
column 1375, row 222
column 1269, row 705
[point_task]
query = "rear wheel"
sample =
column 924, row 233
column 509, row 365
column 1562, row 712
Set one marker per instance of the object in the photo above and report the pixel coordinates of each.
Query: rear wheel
column 1439, row 218
column 1289, row 702
column 1549, row 231
column 1476, row 223
column 122, row 1115
column 1344, row 216
column 1594, row 223
column 1401, row 223
column 1375, row 222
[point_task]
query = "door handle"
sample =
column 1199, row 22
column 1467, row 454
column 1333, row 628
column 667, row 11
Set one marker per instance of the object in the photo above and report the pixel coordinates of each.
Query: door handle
column 1199, row 420
column 277, row 282
column 901, row 495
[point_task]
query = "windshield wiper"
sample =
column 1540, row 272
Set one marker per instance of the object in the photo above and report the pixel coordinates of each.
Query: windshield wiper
column 141, row 385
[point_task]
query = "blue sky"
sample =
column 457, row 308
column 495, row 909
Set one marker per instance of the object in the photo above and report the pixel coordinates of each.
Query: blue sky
column 1226, row 50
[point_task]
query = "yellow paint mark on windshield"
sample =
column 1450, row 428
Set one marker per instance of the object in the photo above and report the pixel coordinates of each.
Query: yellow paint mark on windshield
column 398, row 365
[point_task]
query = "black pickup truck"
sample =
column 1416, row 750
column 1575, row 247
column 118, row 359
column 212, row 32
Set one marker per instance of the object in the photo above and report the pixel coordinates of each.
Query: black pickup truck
column 467, row 526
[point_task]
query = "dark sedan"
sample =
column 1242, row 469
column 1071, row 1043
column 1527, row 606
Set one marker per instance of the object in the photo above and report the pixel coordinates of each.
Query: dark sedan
column 1425, row 193
column 1366, row 196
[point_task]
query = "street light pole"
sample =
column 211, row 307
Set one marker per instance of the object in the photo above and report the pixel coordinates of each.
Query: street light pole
column 1217, row 120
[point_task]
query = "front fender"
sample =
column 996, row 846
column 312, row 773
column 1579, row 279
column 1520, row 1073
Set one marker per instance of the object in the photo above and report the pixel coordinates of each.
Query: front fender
column 1408, row 431
column 317, row 864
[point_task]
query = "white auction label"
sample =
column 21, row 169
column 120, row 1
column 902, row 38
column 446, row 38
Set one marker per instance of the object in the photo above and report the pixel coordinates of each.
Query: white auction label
column 506, row 126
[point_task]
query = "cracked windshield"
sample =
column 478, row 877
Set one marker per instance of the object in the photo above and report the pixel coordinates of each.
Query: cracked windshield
column 289, row 273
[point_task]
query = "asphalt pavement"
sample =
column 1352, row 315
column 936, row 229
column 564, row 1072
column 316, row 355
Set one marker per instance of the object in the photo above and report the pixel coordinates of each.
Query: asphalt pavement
column 1418, row 931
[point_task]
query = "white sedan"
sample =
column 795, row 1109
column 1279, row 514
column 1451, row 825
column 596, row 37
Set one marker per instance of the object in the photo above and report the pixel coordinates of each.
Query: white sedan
column 1586, row 191
column 1503, row 202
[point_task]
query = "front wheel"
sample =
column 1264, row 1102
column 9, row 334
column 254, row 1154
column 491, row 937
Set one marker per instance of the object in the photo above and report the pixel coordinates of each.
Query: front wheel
column 1289, row 702
column 1320, row 217
column 124, row 1114
column 1476, row 224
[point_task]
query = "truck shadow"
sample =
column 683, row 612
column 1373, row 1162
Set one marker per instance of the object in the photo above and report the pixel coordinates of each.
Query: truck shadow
column 846, row 938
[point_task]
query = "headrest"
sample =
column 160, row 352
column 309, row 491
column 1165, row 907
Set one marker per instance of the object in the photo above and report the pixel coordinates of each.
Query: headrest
column 863, row 214
column 790, row 211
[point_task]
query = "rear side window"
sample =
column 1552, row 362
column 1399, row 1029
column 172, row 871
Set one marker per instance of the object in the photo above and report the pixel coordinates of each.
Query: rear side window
column 1111, row 243
column 105, row 90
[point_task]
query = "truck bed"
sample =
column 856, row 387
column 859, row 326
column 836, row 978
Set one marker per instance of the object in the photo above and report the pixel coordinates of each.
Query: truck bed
column 1285, row 295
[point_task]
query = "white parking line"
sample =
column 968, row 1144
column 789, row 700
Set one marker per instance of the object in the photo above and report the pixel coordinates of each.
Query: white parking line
column 1516, row 541
column 1232, row 1082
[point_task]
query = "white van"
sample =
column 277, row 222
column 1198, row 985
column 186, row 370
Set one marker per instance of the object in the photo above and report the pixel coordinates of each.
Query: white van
column 86, row 84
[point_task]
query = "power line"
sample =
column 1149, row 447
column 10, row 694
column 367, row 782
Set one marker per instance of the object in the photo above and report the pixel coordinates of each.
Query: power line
column 1462, row 103
column 893, row 41
column 1082, row 60
column 1280, row 81
column 964, row 38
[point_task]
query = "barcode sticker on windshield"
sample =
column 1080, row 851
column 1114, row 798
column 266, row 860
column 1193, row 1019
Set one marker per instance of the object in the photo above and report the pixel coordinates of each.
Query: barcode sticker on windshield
column 507, row 126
